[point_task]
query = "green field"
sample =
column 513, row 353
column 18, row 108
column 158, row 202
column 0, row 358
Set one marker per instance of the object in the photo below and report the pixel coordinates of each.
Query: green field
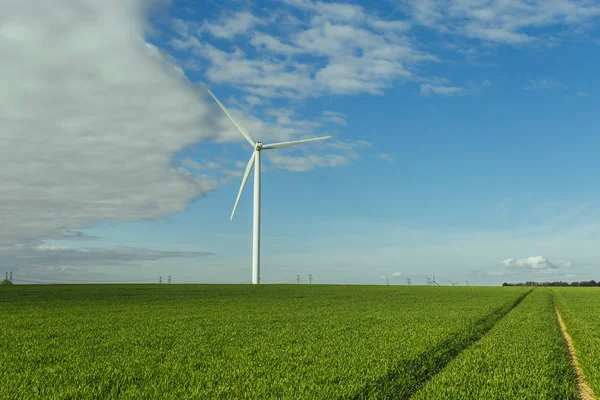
column 522, row 357
column 580, row 309
column 285, row 341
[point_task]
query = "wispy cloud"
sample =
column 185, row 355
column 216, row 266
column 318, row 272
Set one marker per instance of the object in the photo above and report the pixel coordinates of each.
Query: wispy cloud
column 505, row 22
column 334, row 117
column 331, row 153
column 64, row 262
column 334, row 48
column 52, row 255
column 281, row 124
column 386, row 157
column 544, row 84
column 312, row 48
column 441, row 89
column 427, row 89
column 307, row 162
column 231, row 25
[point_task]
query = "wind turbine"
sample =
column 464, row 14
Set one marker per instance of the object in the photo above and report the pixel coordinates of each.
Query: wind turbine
column 255, row 162
column 453, row 283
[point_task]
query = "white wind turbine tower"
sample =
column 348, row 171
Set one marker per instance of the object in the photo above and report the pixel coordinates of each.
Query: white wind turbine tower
column 255, row 162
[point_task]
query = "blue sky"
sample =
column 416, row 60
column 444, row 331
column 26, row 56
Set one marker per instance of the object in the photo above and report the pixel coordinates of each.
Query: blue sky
column 465, row 144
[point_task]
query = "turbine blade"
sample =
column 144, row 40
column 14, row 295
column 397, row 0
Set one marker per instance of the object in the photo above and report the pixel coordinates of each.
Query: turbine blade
column 244, row 180
column 293, row 143
column 237, row 125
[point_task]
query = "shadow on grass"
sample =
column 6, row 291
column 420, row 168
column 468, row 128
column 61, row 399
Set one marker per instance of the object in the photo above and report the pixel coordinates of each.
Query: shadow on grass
column 408, row 376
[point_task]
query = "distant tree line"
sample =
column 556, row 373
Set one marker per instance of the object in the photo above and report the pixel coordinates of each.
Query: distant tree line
column 556, row 283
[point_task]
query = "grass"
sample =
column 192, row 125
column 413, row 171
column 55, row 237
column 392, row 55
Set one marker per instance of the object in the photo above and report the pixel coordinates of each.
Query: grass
column 523, row 357
column 579, row 308
column 409, row 375
column 236, row 341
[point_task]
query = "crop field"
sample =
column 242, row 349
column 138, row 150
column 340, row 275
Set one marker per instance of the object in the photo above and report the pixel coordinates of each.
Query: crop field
column 287, row 341
column 522, row 357
column 580, row 309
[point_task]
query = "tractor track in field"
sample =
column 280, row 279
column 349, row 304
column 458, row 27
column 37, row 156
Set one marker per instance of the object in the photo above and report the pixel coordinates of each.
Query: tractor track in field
column 583, row 388
column 403, row 381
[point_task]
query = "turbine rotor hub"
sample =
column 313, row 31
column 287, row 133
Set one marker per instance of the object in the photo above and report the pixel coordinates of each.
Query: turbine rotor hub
column 258, row 146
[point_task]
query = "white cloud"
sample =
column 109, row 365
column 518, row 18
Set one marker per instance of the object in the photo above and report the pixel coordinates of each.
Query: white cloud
column 396, row 274
column 188, row 162
column 325, row 11
column 438, row 87
column 313, row 48
column 307, row 162
column 263, row 41
column 537, row 263
column 333, row 48
column 330, row 153
column 397, row 25
column 91, row 118
column 427, row 89
column 261, row 77
column 206, row 165
column 232, row 24
column 253, row 100
column 334, row 117
column 515, row 22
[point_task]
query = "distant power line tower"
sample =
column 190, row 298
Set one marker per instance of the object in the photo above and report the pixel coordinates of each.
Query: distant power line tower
column 10, row 276
column 467, row 283
column 169, row 279
column 298, row 279
column 309, row 278
column 6, row 275
column 159, row 280
column 408, row 281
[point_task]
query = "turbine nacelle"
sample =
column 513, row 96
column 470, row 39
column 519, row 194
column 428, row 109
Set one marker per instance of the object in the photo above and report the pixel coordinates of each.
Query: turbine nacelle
column 258, row 146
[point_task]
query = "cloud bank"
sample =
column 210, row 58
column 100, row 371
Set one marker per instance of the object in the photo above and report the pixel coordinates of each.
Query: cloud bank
column 91, row 116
